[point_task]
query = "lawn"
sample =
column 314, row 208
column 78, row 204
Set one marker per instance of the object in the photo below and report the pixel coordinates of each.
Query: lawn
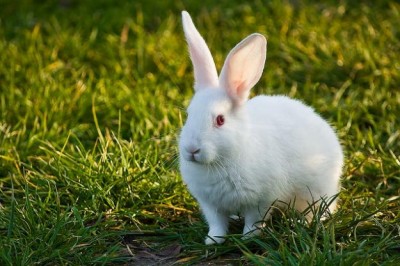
column 92, row 97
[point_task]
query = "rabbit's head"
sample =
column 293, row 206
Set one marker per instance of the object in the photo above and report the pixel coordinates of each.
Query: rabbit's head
column 217, row 113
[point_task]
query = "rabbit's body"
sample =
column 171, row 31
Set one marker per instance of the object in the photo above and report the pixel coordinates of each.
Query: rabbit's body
column 239, row 156
column 282, row 164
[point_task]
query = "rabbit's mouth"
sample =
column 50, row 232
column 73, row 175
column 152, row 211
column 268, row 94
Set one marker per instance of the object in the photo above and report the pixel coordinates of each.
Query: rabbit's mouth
column 195, row 157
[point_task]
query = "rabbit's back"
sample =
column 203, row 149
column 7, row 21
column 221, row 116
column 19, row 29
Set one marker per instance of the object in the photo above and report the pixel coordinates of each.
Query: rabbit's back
column 292, row 124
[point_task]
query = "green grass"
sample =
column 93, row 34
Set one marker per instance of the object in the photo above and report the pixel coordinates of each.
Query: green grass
column 92, row 96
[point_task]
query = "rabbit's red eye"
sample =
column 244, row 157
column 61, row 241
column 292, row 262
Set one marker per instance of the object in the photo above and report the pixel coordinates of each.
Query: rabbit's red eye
column 220, row 120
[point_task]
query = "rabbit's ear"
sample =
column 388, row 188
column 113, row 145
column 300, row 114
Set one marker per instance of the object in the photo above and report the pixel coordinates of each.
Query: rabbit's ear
column 205, row 73
column 243, row 67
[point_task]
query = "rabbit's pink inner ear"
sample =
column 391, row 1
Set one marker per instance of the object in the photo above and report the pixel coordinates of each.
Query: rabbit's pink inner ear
column 238, row 92
column 243, row 67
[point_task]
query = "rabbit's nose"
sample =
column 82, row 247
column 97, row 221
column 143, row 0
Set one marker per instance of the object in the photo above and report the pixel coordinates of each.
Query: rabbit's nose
column 195, row 151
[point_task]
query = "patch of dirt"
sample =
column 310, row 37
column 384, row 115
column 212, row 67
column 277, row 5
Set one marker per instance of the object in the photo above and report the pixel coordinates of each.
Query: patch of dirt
column 143, row 254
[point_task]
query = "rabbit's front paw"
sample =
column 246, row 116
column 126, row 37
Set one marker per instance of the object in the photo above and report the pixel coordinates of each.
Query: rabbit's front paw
column 214, row 240
column 250, row 232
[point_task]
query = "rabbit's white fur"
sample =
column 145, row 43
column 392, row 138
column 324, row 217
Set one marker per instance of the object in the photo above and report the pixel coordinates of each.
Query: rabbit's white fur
column 270, row 148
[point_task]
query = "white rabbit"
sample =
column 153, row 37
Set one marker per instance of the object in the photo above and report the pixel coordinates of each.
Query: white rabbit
column 239, row 156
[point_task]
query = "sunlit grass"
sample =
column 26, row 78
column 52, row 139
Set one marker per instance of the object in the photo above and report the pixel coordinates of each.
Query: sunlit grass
column 92, row 96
